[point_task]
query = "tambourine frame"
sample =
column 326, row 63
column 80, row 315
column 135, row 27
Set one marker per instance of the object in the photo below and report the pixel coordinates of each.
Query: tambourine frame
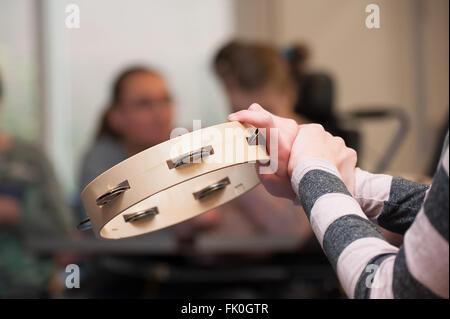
column 122, row 202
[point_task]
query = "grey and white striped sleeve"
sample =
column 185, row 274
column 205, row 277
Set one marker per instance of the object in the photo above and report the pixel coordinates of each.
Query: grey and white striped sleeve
column 391, row 202
column 368, row 266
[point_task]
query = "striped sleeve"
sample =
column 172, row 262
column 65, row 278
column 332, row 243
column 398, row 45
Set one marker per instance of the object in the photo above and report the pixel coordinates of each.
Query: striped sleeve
column 392, row 202
column 366, row 265
column 422, row 264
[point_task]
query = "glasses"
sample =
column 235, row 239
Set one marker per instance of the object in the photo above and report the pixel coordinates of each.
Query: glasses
column 148, row 104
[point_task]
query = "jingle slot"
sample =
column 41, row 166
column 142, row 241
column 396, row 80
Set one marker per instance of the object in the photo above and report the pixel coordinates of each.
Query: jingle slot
column 256, row 138
column 211, row 189
column 151, row 212
column 112, row 194
column 190, row 157
column 85, row 224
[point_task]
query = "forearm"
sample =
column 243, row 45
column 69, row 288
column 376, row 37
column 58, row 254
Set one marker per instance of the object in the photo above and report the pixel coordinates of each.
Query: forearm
column 367, row 266
column 391, row 202
column 350, row 241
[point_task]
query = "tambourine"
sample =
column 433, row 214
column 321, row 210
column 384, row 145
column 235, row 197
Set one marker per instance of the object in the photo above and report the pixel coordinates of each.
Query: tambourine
column 174, row 181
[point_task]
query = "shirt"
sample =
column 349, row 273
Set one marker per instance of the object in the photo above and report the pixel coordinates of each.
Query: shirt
column 366, row 264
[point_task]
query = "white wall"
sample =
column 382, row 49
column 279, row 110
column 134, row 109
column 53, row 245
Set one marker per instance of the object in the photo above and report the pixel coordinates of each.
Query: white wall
column 404, row 63
column 177, row 37
column 20, row 109
column 383, row 66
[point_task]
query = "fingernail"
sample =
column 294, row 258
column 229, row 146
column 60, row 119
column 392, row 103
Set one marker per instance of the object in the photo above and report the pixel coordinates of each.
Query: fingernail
column 232, row 117
column 254, row 106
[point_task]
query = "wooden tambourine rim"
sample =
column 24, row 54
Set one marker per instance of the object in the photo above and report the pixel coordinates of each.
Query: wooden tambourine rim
column 242, row 178
column 126, row 187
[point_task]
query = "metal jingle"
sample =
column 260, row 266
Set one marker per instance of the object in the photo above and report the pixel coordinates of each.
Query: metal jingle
column 252, row 139
column 113, row 193
column 129, row 218
column 85, row 224
column 211, row 189
column 191, row 157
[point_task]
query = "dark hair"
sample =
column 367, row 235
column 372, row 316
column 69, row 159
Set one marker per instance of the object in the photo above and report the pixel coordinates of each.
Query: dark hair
column 105, row 128
column 297, row 56
column 252, row 66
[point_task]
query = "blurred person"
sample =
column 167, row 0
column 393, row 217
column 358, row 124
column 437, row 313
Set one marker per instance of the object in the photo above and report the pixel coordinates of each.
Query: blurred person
column 256, row 72
column 139, row 115
column 31, row 206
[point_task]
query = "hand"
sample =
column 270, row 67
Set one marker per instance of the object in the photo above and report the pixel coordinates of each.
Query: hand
column 313, row 141
column 278, row 183
column 10, row 210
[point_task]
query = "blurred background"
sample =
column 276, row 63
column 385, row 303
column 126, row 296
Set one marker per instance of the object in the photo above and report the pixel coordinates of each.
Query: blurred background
column 75, row 101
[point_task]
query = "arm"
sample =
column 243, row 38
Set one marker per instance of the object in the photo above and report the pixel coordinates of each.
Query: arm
column 392, row 202
column 48, row 214
column 367, row 266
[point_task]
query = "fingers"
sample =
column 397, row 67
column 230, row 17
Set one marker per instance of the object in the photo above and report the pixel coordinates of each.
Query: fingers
column 255, row 115
column 256, row 118
column 261, row 120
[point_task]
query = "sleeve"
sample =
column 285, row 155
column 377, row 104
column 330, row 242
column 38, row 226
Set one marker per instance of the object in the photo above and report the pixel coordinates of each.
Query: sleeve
column 392, row 202
column 49, row 213
column 367, row 266
column 53, row 201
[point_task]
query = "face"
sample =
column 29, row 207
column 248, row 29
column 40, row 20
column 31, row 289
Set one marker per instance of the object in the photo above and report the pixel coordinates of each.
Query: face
column 144, row 113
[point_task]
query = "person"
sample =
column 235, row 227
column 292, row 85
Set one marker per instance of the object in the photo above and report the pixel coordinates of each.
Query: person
column 31, row 206
column 254, row 71
column 139, row 115
column 257, row 72
column 318, row 171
